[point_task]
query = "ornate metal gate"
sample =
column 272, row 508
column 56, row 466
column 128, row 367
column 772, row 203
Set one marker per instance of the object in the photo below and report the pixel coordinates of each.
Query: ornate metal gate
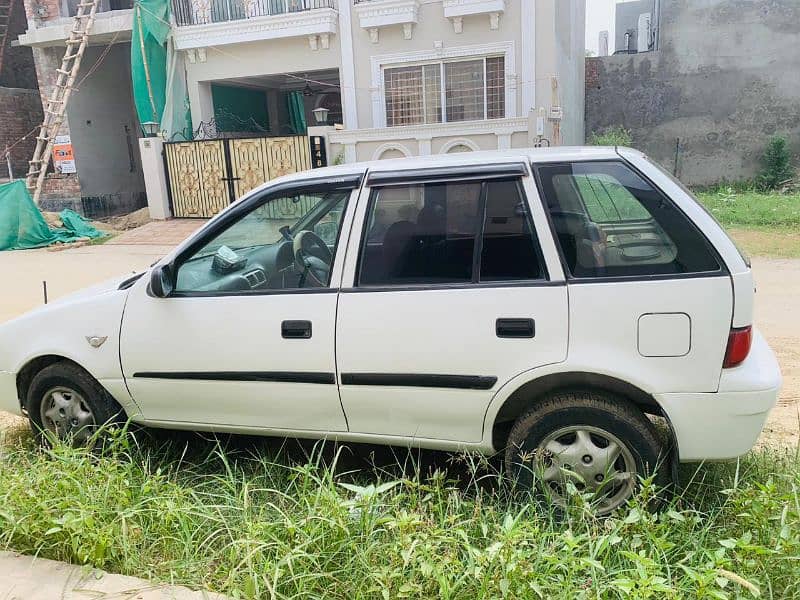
column 206, row 175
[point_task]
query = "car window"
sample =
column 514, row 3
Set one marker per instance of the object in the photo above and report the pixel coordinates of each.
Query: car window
column 610, row 222
column 509, row 247
column 421, row 234
column 258, row 251
column 445, row 233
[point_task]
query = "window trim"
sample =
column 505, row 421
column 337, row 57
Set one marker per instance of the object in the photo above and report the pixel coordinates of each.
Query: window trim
column 239, row 210
column 379, row 62
column 571, row 279
column 474, row 283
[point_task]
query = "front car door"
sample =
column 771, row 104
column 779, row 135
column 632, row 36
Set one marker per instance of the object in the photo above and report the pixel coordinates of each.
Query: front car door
column 452, row 289
column 246, row 339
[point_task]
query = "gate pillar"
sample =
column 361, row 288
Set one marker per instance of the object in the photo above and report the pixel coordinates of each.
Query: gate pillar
column 151, row 150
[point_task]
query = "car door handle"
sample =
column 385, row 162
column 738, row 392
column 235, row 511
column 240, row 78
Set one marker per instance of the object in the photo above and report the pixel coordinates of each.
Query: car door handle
column 515, row 328
column 296, row 330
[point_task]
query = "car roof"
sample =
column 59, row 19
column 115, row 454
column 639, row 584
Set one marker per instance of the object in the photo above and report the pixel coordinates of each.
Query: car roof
column 537, row 155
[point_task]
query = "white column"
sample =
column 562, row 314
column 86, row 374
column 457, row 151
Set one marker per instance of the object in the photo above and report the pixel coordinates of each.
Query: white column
column 528, row 67
column 347, row 75
column 503, row 141
column 424, row 146
column 155, row 177
column 350, row 153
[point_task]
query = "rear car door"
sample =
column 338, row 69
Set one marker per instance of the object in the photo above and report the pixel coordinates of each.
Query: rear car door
column 452, row 289
column 650, row 298
column 246, row 339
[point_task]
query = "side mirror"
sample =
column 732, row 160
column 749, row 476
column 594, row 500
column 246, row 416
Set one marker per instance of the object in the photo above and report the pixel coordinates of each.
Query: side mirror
column 161, row 282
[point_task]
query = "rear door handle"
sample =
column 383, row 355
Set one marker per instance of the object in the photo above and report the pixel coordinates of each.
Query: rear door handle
column 296, row 330
column 515, row 328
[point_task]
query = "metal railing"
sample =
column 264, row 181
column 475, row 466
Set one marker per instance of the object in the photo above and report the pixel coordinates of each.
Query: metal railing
column 203, row 12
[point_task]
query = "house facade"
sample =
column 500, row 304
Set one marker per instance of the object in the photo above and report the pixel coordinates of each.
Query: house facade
column 395, row 77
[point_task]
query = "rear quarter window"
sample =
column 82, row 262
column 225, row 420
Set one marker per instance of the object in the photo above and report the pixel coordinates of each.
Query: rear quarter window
column 610, row 222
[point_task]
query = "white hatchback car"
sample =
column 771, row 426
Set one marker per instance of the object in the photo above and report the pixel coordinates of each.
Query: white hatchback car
column 539, row 302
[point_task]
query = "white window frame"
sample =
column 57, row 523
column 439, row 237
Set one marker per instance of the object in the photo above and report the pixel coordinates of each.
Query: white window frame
column 410, row 59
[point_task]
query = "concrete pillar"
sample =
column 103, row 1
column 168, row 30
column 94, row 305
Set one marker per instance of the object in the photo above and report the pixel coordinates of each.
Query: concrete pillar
column 323, row 131
column 155, row 177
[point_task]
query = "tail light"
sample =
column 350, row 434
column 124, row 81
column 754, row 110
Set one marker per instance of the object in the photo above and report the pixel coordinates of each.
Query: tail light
column 739, row 341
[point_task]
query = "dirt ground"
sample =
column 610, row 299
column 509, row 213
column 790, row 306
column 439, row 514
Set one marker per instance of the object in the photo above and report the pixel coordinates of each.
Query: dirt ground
column 776, row 309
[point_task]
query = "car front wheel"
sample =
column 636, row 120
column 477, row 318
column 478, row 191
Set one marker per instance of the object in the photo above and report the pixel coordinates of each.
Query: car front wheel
column 65, row 402
column 588, row 441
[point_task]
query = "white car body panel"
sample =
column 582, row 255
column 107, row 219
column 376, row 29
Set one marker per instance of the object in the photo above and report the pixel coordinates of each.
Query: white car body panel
column 440, row 332
column 230, row 334
column 581, row 327
column 604, row 321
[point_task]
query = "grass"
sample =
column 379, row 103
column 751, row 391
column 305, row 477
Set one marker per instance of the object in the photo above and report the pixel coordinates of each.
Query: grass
column 764, row 224
column 259, row 522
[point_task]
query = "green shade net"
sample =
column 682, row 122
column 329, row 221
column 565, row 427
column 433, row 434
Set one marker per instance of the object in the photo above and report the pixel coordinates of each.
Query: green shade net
column 22, row 225
column 297, row 111
column 149, row 64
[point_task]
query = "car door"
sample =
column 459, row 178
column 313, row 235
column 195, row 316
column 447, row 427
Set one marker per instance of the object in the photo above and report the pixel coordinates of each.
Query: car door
column 246, row 338
column 448, row 293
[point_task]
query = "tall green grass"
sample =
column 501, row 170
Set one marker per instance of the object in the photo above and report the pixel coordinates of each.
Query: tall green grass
column 255, row 521
column 742, row 207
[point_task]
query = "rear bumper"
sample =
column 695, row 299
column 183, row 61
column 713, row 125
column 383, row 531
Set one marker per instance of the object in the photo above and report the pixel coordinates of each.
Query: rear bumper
column 726, row 424
column 8, row 393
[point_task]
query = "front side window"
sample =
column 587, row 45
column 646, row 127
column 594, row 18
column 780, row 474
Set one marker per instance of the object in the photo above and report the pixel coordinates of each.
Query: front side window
column 449, row 233
column 288, row 242
column 459, row 90
column 609, row 222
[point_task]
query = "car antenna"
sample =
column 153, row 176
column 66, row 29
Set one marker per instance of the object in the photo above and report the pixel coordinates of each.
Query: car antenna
column 44, row 290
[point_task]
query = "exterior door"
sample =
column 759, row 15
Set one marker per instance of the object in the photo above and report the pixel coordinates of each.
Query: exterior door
column 246, row 339
column 448, row 295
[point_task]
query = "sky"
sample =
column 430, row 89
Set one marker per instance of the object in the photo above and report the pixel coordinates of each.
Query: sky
column 599, row 17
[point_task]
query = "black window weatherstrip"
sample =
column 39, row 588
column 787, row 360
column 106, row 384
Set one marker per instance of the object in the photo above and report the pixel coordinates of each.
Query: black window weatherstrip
column 463, row 173
column 266, row 376
column 460, row 382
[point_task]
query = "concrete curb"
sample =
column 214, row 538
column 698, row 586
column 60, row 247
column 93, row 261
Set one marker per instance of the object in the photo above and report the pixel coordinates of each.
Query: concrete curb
column 30, row 578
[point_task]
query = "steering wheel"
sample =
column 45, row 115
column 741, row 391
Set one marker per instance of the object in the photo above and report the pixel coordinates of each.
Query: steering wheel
column 312, row 258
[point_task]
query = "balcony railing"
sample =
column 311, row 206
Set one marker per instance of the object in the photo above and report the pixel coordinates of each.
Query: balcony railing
column 203, row 12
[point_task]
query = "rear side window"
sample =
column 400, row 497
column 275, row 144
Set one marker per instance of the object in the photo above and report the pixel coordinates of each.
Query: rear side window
column 449, row 233
column 609, row 222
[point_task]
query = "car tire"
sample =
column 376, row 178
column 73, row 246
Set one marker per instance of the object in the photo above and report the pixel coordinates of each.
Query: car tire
column 600, row 443
column 65, row 401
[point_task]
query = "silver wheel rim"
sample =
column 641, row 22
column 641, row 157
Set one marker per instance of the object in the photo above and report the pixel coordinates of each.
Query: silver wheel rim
column 593, row 460
column 64, row 413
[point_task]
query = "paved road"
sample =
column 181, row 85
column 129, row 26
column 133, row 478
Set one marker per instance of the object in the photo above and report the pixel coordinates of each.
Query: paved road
column 777, row 299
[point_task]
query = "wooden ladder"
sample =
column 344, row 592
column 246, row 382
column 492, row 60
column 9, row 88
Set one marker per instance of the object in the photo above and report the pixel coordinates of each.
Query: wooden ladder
column 6, row 7
column 56, row 106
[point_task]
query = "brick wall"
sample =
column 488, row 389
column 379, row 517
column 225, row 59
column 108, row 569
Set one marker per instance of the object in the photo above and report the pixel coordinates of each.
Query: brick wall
column 40, row 11
column 20, row 112
column 17, row 69
column 592, row 73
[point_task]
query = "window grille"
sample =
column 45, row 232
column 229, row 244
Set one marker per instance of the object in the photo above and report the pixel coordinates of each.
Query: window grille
column 469, row 90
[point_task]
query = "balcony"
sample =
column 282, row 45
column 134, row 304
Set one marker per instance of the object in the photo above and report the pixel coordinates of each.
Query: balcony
column 202, row 23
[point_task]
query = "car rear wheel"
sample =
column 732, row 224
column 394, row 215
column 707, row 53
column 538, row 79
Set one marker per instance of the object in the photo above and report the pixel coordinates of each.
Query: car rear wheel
column 64, row 402
column 591, row 441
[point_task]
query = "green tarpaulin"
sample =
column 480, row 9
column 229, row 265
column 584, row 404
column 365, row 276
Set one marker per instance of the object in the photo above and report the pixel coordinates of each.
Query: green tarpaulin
column 22, row 225
column 157, row 74
column 149, row 58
